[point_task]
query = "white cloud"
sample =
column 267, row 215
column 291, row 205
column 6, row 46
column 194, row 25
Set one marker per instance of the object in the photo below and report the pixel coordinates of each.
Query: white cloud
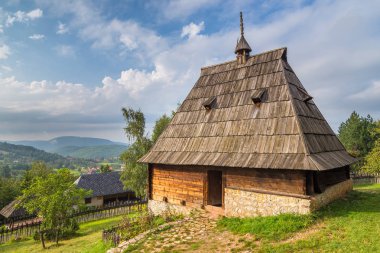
column 22, row 17
column 37, row 13
column 65, row 51
column 4, row 51
column 370, row 93
column 1, row 29
column 62, row 28
column 37, row 37
column 6, row 68
column 191, row 30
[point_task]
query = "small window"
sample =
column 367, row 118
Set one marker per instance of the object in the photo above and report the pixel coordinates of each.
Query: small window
column 183, row 202
column 165, row 199
column 259, row 96
column 209, row 103
column 87, row 200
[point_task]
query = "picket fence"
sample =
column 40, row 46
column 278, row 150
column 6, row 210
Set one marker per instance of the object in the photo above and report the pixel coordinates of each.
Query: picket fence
column 365, row 178
column 25, row 228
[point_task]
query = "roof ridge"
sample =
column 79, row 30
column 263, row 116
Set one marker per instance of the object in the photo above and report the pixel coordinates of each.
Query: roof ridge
column 266, row 52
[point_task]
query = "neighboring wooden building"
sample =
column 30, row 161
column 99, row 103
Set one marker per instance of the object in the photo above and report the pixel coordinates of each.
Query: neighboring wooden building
column 106, row 188
column 13, row 211
column 248, row 140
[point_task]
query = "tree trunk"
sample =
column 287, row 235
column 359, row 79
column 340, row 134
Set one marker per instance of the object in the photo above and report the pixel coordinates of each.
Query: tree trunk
column 42, row 239
column 56, row 236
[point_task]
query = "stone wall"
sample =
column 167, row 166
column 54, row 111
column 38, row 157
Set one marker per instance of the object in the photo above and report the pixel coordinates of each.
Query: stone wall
column 242, row 203
column 330, row 194
column 159, row 207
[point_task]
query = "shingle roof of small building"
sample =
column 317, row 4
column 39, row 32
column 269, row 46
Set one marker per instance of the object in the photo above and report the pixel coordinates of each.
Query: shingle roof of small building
column 284, row 131
column 11, row 210
column 102, row 184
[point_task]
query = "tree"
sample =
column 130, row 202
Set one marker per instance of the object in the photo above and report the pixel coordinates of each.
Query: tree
column 104, row 168
column 160, row 126
column 135, row 175
column 52, row 198
column 372, row 160
column 9, row 190
column 38, row 169
column 355, row 134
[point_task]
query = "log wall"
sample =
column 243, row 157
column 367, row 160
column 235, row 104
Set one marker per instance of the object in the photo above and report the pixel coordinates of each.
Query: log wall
column 178, row 184
column 286, row 181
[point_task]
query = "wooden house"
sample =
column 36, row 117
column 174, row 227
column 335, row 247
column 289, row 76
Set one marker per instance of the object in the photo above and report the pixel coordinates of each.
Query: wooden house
column 248, row 140
column 106, row 189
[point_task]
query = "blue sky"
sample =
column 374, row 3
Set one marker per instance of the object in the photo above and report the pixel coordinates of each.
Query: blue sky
column 67, row 67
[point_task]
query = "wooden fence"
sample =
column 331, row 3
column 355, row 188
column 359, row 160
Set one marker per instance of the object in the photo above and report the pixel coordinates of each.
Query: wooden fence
column 365, row 178
column 28, row 227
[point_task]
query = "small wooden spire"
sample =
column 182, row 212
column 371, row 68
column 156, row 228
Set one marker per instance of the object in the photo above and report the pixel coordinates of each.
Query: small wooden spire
column 242, row 49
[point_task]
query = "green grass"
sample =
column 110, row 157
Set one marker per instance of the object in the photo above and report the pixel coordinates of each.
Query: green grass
column 88, row 240
column 272, row 228
column 351, row 224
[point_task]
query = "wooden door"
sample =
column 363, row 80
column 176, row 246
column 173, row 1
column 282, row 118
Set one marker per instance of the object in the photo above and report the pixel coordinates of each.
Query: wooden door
column 215, row 188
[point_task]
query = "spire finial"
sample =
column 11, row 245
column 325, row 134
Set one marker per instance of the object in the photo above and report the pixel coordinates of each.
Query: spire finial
column 241, row 24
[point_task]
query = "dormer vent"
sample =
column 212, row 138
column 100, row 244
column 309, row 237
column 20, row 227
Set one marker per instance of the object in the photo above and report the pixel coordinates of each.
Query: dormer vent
column 304, row 96
column 259, row 96
column 209, row 103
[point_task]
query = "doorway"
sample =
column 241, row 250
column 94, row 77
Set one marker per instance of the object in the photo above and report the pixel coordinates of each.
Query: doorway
column 215, row 188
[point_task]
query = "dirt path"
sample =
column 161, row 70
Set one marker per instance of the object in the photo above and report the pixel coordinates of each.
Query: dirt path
column 198, row 233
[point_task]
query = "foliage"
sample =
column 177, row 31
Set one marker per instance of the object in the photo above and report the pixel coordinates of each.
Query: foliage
column 9, row 190
column 355, row 134
column 271, row 228
column 88, row 240
column 160, row 126
column 372, row 160
column 135, row 128
column 38, row 169
column 135, row 175
column 104, row 168
column 52, row 198
column 19, row 157
column 93, row 152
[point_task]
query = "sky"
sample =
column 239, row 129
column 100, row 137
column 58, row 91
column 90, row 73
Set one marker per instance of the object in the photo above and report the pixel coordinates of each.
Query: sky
column 68, row 67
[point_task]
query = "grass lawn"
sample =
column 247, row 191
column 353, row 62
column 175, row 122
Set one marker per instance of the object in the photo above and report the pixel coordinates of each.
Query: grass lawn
column 347, row 225
column 88, row 240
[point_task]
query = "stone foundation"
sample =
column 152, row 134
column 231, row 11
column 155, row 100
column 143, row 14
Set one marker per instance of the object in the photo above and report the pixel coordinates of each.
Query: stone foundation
column 243, row 203
column 160, row 207
column 330, row 194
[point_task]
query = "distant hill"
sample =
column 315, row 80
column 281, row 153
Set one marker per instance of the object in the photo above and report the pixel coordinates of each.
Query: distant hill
column 20, row 156
column 81, row 147
column 93, row 152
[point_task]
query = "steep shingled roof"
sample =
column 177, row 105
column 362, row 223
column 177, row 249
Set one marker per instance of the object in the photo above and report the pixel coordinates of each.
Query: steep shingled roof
column 284, row 131
column 11, row 210
column 101, row 184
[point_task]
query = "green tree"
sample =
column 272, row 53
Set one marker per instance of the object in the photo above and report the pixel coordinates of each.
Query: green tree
column 9, row 190
column 104, row 168
column 372, row 160
column 5, row 171
column 37, row 169
column 356, row 134
column 135, row 175
column 52, row 198
column 160, row 126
